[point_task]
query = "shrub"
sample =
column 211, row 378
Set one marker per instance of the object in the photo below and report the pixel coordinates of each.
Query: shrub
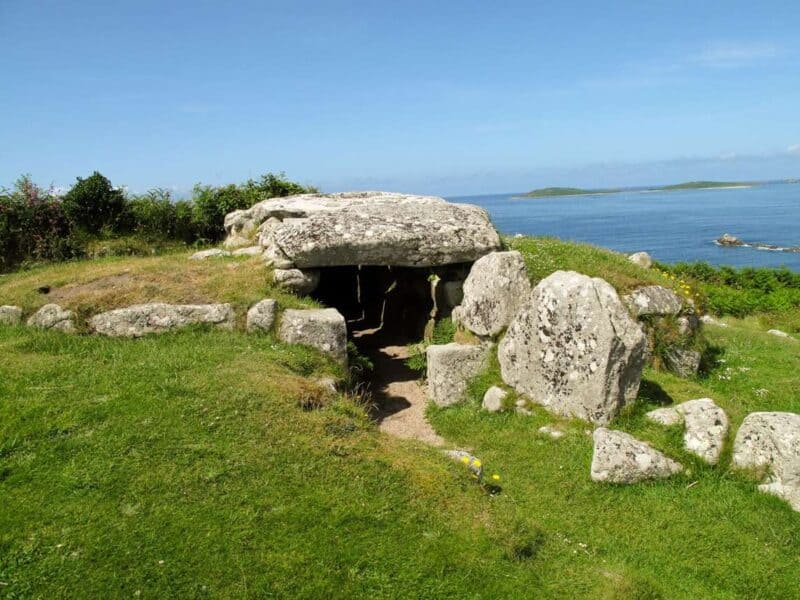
column 153, row 215
column 33, row 226
column 93, row 205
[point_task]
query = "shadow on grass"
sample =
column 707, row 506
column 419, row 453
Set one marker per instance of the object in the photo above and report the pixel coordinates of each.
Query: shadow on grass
column 652, row 393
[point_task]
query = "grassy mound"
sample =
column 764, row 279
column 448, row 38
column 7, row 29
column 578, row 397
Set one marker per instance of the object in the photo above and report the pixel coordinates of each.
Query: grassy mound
column 188, row 465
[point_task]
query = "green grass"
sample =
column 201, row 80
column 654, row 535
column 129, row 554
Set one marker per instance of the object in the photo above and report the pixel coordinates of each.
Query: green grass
column 183, row 465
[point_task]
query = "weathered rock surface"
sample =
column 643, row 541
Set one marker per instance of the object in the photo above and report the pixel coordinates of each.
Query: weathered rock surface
column 653, row 300
column 688, row 324
column 667, row 417
column 324, row 329
column 706, row 426
column 780, row 334
column 52, row 316
column 450, row 367
column 551, row 431
column 771, row 441
column 364, row 228
column 212, row 253
column 682, row 361
column 496, row 287
column 729, row 240
column 300, row 282
column 574, row 349
column 261, row 316
column 10, row 315
column 621, row 458
column 248, row 251
column 158, row 317
column 641, row 259
column 709, row 320
column 493, row 399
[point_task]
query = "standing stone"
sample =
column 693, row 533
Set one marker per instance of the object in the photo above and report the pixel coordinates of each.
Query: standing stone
column 324, row 329
column 450, row 367
column 688, row 324
column 158, row 317
column 621, row 458
column 299, row 282
column 261, row 316
column 493, row 399
column 771, row 441
column 653, row 300
column 574, row 349
column 52, row 316
column 641, row 259
column 496, row 287
column 10, row 315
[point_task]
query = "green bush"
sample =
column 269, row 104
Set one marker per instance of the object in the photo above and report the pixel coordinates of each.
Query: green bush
column 33, row 226
column 93, row 205
column 153, row 215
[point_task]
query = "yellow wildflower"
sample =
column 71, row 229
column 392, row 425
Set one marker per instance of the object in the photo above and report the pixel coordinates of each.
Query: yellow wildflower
column 476, row 464
column 496, row 477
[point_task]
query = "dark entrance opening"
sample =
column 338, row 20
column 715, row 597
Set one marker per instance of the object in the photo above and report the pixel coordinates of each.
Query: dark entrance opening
column 387, row 309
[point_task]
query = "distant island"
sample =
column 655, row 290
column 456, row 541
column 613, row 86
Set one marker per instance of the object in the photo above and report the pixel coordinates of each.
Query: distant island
column 688, row 185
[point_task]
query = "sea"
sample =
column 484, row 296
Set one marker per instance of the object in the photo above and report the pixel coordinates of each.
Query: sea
column 673, row 226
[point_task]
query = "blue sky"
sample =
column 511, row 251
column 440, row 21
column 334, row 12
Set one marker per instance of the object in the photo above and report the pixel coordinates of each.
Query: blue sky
column 445, row 97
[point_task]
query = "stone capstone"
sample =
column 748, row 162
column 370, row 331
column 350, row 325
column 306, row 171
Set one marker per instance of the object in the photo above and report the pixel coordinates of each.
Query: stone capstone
column 158, row 317
column 10, row 315
column 261, row 316
column 52, row 316
column 212, row 253
column 621, row 458
column 496, row 287
column 364, row 228
column 574, row 349
column 653, row 300
column 493, row 399
column 450, row 367
column 324, row 329
column 300, row 282
column 641, row 259
column 770, row 441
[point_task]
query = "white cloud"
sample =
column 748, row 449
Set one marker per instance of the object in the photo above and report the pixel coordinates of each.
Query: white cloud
column 728, row 55
column 793, row 149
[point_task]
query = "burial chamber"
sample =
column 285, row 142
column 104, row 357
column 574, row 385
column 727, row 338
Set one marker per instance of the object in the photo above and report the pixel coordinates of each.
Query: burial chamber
column 388, row 262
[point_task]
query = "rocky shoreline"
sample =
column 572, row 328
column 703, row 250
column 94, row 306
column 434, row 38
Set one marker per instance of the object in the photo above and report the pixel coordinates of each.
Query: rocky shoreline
column 730, row 241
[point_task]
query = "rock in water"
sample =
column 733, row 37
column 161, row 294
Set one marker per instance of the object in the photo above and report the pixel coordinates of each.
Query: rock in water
column 52, row 316
column 496, row 287
column 574, row 349
column 364, row 228
column 621, row 458
column 493, row 399
column 641, row 259
column 771, row 441
column 261, row 316
column 158, row 317
column 324, row 329
column 653, row 300
column 729, row 240
column 297, row 281
column 10, row 315
column 450, row 367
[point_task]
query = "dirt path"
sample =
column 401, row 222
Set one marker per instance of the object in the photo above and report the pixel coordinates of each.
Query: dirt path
column 399, row 398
